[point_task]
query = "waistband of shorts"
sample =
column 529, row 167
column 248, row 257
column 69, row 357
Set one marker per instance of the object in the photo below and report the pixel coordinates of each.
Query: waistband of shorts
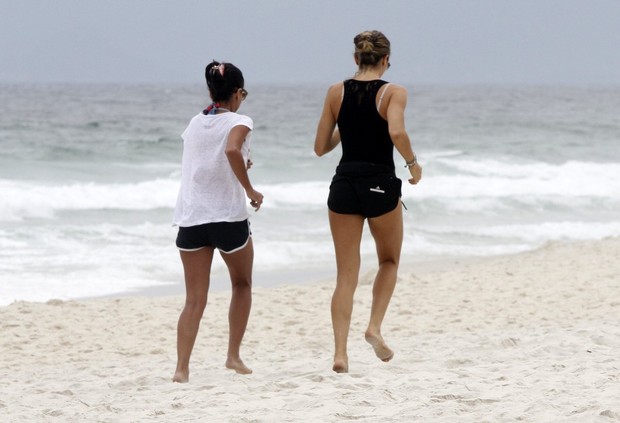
column 364, row 169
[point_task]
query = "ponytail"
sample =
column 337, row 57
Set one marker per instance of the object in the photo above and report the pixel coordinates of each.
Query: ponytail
column 222, row 80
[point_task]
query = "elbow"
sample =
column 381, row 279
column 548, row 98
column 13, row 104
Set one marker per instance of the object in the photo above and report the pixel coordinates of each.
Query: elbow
column 396, row 134
column 319, row 148
column 231, row 152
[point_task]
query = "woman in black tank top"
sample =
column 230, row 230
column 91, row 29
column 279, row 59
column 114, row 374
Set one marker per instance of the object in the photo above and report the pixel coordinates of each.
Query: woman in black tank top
column 364, row 134
column 369, row 115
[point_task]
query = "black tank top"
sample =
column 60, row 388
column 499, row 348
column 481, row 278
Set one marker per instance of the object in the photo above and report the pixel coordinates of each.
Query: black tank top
column 363, row 132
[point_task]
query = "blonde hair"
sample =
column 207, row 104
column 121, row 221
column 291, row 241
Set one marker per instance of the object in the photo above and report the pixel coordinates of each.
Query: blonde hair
column 370, row 48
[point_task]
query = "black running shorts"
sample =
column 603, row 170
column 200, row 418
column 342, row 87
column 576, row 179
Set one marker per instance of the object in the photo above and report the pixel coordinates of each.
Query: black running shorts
column 227, row 237
column 364, row 190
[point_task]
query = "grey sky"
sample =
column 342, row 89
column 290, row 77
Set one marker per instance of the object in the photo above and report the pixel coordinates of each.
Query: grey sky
column 299, row 41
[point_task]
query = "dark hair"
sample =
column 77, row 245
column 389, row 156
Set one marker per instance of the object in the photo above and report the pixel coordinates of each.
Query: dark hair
column 223, row 79
column 370, row 48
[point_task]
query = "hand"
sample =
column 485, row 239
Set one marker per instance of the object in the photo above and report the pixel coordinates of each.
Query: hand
column 256, row 199
column 416, row 174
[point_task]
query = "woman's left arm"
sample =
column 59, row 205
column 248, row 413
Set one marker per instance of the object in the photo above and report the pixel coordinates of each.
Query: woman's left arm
column 236, row 138
column 396, row 126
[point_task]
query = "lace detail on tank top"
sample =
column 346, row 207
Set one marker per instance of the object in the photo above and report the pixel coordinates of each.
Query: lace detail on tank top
column 361, row 90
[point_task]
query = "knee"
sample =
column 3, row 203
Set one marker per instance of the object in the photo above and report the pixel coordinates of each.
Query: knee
column 389, row 263
column 346, row 285
column 241, row 283
column 195, row 305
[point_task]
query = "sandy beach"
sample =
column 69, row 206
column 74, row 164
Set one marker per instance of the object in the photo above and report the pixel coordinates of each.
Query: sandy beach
column 533, row 337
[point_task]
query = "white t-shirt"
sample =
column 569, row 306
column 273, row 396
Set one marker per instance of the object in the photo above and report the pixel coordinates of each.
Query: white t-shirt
column 210, row 191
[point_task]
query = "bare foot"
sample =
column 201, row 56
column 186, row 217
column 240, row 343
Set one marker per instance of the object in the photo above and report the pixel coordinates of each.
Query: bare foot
column 238, row 366
column 181, row 376
column 340, row 366
column 381, row 349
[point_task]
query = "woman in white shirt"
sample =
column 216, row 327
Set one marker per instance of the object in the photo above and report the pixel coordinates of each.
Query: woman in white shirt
column 211, row 212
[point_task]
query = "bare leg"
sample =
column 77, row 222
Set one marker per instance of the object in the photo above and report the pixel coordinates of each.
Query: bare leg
column 387, row 230
column 240, row 269
column 347, row 234
column 197, row 268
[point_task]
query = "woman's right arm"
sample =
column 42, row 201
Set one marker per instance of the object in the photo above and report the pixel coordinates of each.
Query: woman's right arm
column 327, row 136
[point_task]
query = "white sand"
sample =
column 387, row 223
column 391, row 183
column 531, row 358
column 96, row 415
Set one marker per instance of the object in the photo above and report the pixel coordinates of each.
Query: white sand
column 531, row 338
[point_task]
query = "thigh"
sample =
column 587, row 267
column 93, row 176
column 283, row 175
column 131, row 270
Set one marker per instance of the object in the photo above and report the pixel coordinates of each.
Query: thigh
column 347, row 235
column 240, row 262
column 197, row 270
column 387, row 231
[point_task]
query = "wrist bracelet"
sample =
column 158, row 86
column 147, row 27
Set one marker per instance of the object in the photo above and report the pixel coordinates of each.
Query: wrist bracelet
column 412, row 163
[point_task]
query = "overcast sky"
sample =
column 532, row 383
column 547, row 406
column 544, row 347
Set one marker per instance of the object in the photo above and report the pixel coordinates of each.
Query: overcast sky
column 307, row 41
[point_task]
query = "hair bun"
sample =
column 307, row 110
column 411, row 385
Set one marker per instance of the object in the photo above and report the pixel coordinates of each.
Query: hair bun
column 365, row 46
column 370, row 47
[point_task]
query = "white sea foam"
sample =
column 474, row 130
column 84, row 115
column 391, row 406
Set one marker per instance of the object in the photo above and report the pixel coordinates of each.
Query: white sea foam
column 493, row 178
column 530, row 234
column 485, row 180
column 36, row 200
column 81, row 261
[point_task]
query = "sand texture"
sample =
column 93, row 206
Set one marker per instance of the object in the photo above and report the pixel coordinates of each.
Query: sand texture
column 533, row 337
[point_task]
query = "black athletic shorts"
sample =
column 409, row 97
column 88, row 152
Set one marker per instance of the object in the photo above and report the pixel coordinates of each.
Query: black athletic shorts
column 227, row 237
column 364, row 189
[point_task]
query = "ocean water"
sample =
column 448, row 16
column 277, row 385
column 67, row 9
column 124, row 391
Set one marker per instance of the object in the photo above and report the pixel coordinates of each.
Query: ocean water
column 89, row 176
